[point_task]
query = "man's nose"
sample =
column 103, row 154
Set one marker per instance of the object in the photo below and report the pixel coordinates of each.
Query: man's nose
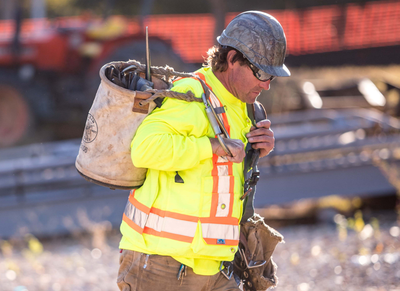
column 265, row 85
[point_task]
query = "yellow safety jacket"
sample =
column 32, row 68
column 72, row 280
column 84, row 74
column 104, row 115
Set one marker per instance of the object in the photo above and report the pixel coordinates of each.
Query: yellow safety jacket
column 195, row 222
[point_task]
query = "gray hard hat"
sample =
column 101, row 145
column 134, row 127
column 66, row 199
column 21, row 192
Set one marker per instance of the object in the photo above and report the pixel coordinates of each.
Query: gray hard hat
column 260, row 38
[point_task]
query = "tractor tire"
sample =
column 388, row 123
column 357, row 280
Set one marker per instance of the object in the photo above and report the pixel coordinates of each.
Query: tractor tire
column 14, row 116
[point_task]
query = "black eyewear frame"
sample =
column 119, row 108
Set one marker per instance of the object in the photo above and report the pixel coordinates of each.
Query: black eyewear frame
column 257, row 74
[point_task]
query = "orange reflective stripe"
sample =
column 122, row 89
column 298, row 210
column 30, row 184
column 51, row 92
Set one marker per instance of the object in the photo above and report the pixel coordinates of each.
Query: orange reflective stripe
column 230, row 169
column 227, row 242
column 217, row 103
column 226, row 124
column 168, row 235
column 232, row 191
column 204, row 79
column 224, row 228
column 221, row 169
column 137, row 204
column 176, row 215
column 132, row 224
column 223, row 181
column 214, row 171
column 179, row 78
column 220, row 220
column 214, row 204
column 224, row 117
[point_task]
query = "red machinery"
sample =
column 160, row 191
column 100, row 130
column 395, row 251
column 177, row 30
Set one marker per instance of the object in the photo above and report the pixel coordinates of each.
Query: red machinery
column 49, row 71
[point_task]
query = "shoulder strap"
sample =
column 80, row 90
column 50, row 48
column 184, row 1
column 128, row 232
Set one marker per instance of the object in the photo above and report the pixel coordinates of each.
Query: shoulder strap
column 256, row 113
column 259, row 112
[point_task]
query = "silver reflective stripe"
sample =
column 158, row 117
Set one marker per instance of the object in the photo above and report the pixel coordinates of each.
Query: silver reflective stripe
column 171, row 225
column 222, row 160
column 220, row 231
column 223, row 184
column 136, row 215
column 223, row 170
column 155, row 222
column 223, row 205
column 214, row 100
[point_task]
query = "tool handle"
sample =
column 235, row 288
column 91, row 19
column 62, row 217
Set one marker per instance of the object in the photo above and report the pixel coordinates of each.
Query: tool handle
column 148, row 67
column 217, row 130
column 212, row 118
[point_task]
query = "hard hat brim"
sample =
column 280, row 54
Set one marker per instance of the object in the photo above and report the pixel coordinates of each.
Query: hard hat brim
column 282, row 71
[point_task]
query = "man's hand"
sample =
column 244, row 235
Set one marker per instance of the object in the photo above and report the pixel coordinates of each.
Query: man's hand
column 262, row 137
column 236, row 146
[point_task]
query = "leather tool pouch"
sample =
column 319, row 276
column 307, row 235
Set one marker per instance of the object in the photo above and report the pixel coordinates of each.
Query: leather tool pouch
column 253, row 262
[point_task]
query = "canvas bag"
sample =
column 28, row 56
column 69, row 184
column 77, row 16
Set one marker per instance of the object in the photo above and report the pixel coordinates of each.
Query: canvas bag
column 104, row 155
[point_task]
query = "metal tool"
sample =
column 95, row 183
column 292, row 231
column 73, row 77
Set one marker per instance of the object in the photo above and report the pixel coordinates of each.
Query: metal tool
column 215, row 125
column 148, row 62
column 221, row 124
column 252, row 264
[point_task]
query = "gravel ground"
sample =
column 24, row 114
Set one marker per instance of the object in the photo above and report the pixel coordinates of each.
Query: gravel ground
column 348, row 254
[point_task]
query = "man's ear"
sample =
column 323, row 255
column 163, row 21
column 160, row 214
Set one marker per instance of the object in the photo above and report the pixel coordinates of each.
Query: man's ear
column 229, row 58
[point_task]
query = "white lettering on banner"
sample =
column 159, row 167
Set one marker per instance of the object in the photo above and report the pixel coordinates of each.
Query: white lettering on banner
column 220, row 231
column 134, row 214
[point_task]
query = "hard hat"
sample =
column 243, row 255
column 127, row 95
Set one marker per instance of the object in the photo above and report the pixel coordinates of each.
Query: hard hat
column 260, row 38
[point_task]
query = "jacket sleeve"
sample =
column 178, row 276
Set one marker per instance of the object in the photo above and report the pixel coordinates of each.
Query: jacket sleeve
column 175, row 136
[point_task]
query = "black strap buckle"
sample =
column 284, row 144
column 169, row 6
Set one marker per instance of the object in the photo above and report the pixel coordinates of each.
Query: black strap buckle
column 255, row 176
column 251, row 181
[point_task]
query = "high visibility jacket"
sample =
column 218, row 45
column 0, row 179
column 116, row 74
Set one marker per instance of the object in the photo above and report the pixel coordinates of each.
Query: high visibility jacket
column 195, row 222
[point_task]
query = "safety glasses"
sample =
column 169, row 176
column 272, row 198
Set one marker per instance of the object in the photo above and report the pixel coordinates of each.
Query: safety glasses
column 260, row 75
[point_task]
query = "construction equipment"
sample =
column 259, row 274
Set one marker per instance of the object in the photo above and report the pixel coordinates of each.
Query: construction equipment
column 49, row 72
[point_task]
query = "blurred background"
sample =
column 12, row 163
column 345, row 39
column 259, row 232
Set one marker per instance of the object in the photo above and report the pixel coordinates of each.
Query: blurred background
column 331, row 186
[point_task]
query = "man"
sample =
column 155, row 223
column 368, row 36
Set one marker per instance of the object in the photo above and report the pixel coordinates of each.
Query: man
column 184, row 221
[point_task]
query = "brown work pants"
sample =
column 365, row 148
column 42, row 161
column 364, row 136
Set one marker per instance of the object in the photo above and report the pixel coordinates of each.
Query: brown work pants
column 141, row 272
